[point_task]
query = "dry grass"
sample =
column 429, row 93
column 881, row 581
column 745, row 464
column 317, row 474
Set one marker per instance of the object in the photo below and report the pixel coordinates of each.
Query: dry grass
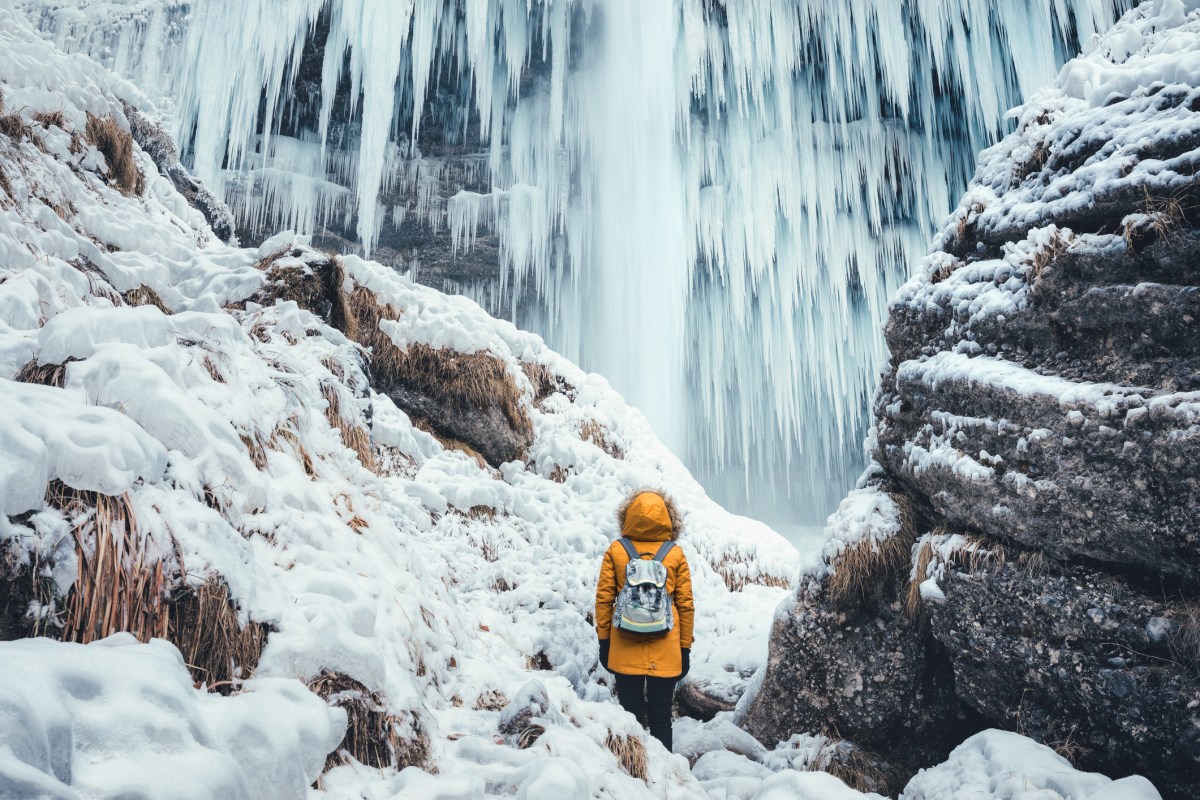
column 1184, row 639
column 13, row 126
column 559, row 474
column 630, row 753
column 912, row 601
column 449, row 442
column 1032, row 165
column 864, row 565
column 455, row 381
column 1165, row 216
column 544, row 381
column 354, row 435
column 945, row 271
column 868, row 564
column 597, row 434
column 858, row 769
column 145, row 296
column 117, row 588
column 219, row 650
column 735, row 570
column 1047, row 255
column 256, row 449
column 44, row 374
column 285, row 434
column 964, row 222
column 213, row 370
column 105, row 134
column 373, row 734
column 491, row 700
column 51, row 119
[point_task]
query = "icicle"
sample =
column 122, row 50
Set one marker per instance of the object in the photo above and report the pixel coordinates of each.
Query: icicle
column 709, row 202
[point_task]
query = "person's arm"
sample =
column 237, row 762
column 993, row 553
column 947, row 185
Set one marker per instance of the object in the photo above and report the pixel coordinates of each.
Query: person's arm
column 606, row 596
column 684, row 606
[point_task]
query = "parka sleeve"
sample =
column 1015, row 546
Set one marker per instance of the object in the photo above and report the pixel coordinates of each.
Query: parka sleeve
column 684, row 606
column 606, row 595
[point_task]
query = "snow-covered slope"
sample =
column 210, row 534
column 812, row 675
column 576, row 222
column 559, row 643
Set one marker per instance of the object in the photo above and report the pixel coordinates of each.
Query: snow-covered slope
column 171, row 443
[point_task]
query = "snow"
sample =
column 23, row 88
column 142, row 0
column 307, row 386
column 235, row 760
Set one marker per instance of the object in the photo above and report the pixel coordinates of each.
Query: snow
column 1002, row 765
column 117, row 718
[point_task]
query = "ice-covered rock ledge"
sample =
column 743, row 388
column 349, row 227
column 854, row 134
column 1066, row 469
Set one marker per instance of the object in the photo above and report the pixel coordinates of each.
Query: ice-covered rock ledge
column 360, row 520
column 1024, row 552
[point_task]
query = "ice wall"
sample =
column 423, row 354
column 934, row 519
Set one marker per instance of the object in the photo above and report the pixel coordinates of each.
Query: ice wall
column 708, row 201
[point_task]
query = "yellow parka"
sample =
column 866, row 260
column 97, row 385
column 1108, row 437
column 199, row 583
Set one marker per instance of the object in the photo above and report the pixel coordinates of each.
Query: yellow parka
column 647, row 518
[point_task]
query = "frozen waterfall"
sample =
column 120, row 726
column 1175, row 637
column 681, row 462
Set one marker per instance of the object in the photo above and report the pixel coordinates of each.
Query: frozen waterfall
column 708, row 201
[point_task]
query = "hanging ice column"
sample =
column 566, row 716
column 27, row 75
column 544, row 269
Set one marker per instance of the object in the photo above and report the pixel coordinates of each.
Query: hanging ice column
column 637, row 278
column 798, row 153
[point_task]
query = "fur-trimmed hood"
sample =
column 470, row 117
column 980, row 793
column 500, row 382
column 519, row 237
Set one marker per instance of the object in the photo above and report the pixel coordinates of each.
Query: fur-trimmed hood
column 672, row 511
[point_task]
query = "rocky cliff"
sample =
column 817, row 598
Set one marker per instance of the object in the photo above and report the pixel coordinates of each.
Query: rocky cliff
column 1023, row 553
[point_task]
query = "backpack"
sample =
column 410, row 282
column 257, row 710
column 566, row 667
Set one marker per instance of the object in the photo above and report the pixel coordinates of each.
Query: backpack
column 643, row 605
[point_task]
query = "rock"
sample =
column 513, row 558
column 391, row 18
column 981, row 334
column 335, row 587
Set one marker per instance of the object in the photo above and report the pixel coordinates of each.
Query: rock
column 1040, row 420
column 1062, row 653
column 159, row 145
column 692, row 701
column 861, row 671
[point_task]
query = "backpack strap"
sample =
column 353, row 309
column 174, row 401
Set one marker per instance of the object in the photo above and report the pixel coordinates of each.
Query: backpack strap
column 663, row 550
column 629, row 548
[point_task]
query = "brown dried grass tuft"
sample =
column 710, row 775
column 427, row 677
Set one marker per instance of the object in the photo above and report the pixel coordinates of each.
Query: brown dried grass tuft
column 1032, row 165
column 858, row 769
column 145, row 296
column 219, row 650
column 868, row 564
column 286, row 434
column 354, row 436
column 373, row 734
column 912, row 601
column 543, row 380
column 13, row 126
column 1048, row 254
column 118, row 589
column 51, row 119
column 44, row 374
column 592, row 431
column 491, row 700
column 116, row 145
column 630, row 753
column 449, row 442
column 735, row 570
column 457, row 381
column 256, row 449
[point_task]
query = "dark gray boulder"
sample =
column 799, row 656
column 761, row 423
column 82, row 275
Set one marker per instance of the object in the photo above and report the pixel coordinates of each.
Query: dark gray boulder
column 1035, row 497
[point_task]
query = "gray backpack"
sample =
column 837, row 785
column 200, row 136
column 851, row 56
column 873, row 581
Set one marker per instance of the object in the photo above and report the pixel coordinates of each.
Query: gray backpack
column 643, row 605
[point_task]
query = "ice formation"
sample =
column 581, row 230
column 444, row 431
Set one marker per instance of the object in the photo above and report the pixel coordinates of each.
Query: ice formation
column 709, row 202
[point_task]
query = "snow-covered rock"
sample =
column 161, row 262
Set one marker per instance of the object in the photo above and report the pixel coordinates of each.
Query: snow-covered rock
column 1023, row 552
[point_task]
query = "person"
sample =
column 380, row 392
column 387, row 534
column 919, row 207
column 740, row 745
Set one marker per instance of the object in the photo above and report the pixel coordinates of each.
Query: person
column 646, row 666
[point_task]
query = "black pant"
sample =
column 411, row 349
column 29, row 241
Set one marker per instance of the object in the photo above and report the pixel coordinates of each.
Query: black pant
column 649, row 699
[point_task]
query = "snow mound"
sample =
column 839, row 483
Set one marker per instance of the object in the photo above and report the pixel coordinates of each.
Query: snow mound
column 117, row 718
column 998, row 764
